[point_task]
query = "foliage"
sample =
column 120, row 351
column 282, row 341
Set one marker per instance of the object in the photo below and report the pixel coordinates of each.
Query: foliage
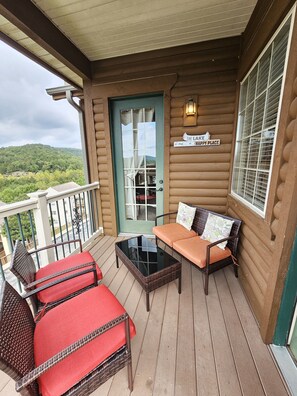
column 38, row 158
column 33, row 167
column 37, row 167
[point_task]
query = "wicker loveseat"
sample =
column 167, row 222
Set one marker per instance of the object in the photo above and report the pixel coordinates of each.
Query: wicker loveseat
column 206, row 256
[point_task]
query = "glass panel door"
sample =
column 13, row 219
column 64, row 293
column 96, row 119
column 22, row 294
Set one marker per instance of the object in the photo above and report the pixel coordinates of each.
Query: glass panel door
column 138, row 159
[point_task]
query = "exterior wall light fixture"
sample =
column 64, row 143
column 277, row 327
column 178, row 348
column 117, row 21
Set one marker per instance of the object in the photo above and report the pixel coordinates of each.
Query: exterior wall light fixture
column 191, row 107
column 190, row 111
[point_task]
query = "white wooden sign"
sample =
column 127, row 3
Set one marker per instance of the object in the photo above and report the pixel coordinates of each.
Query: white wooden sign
column 210, row 142
column 184, row 143
column 191, row 143
column 187, row 137
column 197, row 140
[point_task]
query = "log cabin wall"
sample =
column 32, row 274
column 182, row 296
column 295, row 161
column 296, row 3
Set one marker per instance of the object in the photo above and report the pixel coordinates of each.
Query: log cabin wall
column 266, row 243
column 207, row 70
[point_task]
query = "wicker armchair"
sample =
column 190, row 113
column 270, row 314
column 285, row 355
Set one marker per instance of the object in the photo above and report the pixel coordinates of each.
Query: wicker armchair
column 57, row 281
column 72, row 350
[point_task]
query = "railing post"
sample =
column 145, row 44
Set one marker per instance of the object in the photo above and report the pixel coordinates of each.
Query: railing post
column 43, row 230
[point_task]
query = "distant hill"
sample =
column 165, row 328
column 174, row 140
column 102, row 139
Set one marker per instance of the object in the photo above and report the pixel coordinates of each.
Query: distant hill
column 19, row 160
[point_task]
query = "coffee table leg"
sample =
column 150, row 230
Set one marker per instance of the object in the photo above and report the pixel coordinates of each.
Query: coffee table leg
column 117, row 261
column 147, row 302
column 179, row 284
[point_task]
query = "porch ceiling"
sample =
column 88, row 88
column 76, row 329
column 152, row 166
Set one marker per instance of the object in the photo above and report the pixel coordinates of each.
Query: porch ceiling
column 99, row 29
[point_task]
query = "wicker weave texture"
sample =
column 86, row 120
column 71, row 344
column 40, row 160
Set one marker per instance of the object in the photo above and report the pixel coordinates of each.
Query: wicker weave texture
column 200, row 221
column 17, row 356
column 16, row 336
column 154, row 281
column 22, row 264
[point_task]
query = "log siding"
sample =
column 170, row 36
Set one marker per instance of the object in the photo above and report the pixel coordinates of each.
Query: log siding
column 199, row 175
column 266, row 243
column 210, row 71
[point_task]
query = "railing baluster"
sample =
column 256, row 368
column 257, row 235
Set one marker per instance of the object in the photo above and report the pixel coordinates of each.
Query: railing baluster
column 33, row 236
column 7, row 229
column 86, row 215
column 97, row 211
column 53, row 230
column 21, row 229
column 60, row 227
column 92, row 226
column 66, row 224
column 82, row 217
column 71, row 216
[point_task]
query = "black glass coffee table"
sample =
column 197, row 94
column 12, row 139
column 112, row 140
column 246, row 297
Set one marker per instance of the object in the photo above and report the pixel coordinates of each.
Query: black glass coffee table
column 151, row 266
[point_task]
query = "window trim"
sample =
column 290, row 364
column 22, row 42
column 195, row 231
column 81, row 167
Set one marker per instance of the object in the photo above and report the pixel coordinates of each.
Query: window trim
column 291, row 14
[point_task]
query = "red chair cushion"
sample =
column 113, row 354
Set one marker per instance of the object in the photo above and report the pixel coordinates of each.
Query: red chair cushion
column 66, row 288
column 194, row 249
column 67, row 323
column 169, row 233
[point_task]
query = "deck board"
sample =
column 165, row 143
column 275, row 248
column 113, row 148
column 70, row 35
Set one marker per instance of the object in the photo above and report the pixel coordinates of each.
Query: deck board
column 164, row 383
column 207, row 382
column 188, row 344
column 185, row 378
column 246, row 370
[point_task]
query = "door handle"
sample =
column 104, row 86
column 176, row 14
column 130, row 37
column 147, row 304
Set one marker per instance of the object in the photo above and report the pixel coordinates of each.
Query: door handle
column 160, row 189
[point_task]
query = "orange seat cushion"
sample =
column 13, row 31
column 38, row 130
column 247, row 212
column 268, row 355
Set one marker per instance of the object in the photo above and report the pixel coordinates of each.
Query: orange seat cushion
column 69, row 322
column 169, row 233
column 66, row 288
column 194, row 249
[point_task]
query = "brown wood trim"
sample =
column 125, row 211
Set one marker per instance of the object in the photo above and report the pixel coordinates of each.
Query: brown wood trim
column 167, row 109
column 28, row 18
column 107, row 128
column 136, row 87
column 91, row 143
column 234, row 135
column 282, row 252
column 161, row 84
column 246, row 214
column 288, row 219
column 167, row 52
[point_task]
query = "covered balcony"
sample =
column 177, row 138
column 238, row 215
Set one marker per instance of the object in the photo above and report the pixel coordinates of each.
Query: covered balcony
column 187, row 344
column 191, row 102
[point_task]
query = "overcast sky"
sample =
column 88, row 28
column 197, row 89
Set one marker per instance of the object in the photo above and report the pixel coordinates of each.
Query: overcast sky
column 27, row 113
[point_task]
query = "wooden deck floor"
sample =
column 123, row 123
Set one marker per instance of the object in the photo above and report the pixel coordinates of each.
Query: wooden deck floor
column 188, row 344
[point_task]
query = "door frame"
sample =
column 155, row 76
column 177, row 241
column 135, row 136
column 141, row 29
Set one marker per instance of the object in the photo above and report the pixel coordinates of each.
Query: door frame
column 102, row 93
column 159, row 151
column 288, row 301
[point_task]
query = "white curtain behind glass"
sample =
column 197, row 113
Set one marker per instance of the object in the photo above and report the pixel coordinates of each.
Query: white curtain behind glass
column 133, row 122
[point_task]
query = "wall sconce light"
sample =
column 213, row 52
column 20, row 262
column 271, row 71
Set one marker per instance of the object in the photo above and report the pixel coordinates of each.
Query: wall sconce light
column 190, row 111
column 191, row 107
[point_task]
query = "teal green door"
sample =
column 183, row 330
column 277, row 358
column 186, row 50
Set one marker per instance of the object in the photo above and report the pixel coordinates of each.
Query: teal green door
column 138, row 148
column 293, row 336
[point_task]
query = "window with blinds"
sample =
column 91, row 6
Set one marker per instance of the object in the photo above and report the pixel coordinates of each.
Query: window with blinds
column 257, row 120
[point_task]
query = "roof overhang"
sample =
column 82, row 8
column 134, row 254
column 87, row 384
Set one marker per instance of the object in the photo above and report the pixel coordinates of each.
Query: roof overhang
column 66, row 36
